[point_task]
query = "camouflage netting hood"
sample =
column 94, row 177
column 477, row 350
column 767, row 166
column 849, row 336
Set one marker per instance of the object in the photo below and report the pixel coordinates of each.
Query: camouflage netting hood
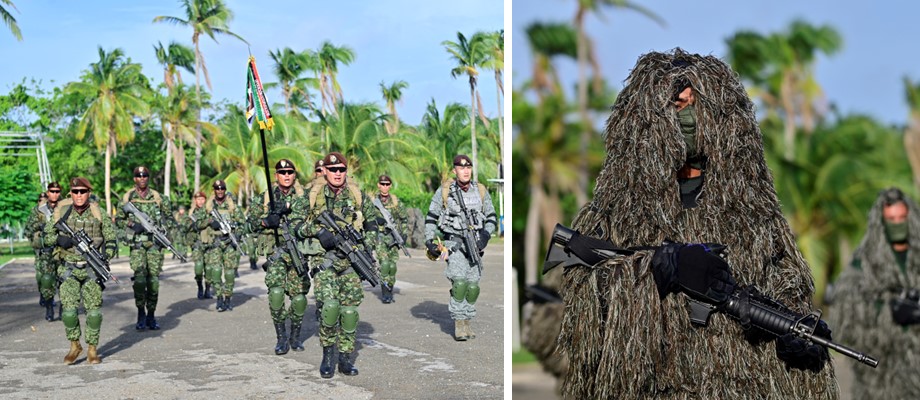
column 620, row 339
column 862, row 315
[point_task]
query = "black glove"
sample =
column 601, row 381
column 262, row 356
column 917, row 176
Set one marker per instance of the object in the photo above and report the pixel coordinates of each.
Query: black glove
column 692, row 269
column 326, row 239
column 215, row 225
column 798, row 353
column 433, row 251
column 282, row 210
column 905, row 312
column 483, row 238
column 65, row 242
column 137, row 227
column 272, row 220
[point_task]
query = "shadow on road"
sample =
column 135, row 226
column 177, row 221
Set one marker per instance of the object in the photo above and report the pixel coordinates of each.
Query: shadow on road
column 436, row 313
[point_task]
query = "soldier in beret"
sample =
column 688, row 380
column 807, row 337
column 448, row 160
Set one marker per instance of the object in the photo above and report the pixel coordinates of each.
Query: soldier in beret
column 45, row 266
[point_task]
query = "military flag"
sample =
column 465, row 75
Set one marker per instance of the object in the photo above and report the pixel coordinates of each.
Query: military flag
column 256, row 105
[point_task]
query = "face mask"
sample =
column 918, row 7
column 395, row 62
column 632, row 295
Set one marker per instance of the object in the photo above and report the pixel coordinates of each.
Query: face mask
column 687, row 118
column 896, row 233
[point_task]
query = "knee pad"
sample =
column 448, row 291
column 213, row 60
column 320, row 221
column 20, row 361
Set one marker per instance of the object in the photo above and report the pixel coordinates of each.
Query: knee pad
column 199, row 269
column 349, row 319
column 330, row 313
column 69, row 317
column 154, row 284
column 299, row 305
column 229, row 275
column 46, row 282
column 472, row 293
column 140, row 282
column 458, row 289
column 275, row 298
column 94, row 319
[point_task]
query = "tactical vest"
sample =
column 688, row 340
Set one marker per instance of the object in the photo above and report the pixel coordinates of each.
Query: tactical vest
column 92, row 226
column 451, row 219
column 445, row 192
column 298, row 191
column 318, row 201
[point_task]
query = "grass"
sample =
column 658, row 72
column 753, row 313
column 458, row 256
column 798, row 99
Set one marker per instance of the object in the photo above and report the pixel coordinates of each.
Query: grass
column 522, row 357
column 24, row 250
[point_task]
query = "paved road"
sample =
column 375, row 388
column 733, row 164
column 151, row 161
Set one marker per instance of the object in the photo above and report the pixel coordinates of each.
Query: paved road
column 405, row 349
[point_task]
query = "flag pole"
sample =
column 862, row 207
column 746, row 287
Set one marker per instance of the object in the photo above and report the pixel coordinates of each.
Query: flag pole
column 257, row 106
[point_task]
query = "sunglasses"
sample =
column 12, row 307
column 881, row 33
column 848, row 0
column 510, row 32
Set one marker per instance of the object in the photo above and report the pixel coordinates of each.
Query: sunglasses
column 385, row 183
column 318, row 170
column 337, row 169
column 79, row 191
column 54, row 191
column 220, row 188
column 142, row 175
column 285, row 172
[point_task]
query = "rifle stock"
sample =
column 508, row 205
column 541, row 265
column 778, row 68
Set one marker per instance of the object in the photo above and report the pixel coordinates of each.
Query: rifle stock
column 159, row 235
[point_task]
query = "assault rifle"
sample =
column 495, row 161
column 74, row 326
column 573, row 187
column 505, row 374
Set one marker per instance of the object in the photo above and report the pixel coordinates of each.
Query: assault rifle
column 747, row 306
column 391, row 226
column 93, row 257
column 348, row 240
column 225, row 228
column 469, row 230
column 159, row 235
column 290, row 245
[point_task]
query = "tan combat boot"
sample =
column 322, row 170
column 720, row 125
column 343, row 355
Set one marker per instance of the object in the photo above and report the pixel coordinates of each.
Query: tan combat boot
column 459, row 331
column 91, row 355
column 75, row 350
column 469, row 329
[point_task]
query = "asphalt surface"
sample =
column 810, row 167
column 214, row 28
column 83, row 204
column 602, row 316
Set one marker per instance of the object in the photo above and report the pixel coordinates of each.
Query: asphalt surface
column 405, row 350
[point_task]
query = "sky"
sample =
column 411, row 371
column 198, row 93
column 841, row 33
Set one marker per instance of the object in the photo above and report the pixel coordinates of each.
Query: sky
column 865, row 77
column 393, row 40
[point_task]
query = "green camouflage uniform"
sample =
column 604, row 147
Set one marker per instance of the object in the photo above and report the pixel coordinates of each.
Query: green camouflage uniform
column 281, row 278
column 194, row 239
column 77, row 278
column 385, row 245
column 178, row 234
column 338, row 286
column 463, row 276
column 45, row 264
column 146, row 255
column 221, row 259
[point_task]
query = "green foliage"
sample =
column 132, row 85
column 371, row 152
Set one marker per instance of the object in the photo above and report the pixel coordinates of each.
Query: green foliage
column 19, row 189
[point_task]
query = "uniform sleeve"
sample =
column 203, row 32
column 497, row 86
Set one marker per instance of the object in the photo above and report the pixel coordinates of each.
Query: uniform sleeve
column 34, row 227
column 434, row 214
column 169, row 222
column 51, row 233
column 300, row 217
column 371, row 213
column 401, row 217
column 109, row 240
column 491, row 222
column 255, row 214
column 121, row 216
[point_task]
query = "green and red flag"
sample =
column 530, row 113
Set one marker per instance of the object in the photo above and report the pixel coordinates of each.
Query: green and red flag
column 256, row 105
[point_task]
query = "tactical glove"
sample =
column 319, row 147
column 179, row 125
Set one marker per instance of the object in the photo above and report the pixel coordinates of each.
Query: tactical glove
column 483, row 238
column 138, row 227
column 215, row 225
column 694, row 270
column 65, row 242
column 905, row 312
column 272, row 220
column 801, row 354
column 326, row 239
column 433, row 250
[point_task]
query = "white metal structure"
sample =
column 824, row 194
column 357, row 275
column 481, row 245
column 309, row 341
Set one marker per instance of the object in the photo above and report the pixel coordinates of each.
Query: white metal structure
column 20, row 144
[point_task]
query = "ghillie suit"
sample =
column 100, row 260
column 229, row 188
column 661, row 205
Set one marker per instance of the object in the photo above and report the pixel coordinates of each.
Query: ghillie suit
column 863, row 317
column 541, row 328
column 621, row 339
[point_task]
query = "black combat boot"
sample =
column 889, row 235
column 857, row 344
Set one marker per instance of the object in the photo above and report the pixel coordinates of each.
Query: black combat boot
column 152, row 322
column 200, row 289
column 327, row 367
column 60, row 310
column 141, row 319
column 207, row 291
column 220, row 304
column 296, row 345
column 319, row 310
column 386, row 293
column 236, row 273
column 41, row 300
column 227, row 304
column 49, row 310
column 253, row 264
column 345, row 365
column 283, row 346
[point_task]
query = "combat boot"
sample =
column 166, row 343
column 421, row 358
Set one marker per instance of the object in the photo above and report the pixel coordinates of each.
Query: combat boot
column 327, row 367
column 49, row 310
column 282, row 347
column 345, row 365
column 60, row 310
column 220, row 303
column 296, row 345
column 41, row 300
column 75, row 350
column 319, row 310
column 141, row 319
column 460, row 330
column 91, row 355
column 227, row 304
column 386, row 294
column 469, row 329
column 200, row 289
column 207, row 291
column 152, row 322
column 253, row 264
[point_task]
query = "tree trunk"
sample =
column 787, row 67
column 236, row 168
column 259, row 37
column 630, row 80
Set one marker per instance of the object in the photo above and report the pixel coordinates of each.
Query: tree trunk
column 532, row 229
column 501, row 122
column 198, row 64
column 581, row 195
column 167, row 168
column 108, row 175
column 912, row 147
column 473, row 126
column 789, row 110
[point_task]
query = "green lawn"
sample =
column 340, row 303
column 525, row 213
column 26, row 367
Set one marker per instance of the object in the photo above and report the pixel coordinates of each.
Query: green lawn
column 522, row 356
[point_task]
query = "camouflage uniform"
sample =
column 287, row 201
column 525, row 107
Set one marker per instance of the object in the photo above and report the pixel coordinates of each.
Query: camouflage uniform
column 338, row 286
column 178, row 234
column 146, row 255
column 194, row 237
column 45, row 264
column 221, row 259
column 78, row 279
column 281, row 277
column 385, row 245
column 447, row 220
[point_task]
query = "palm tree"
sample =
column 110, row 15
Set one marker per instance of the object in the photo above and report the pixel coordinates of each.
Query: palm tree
column 393, row 94
column 912, row 130
column 178, row 113
column 172, row 58
column 440, row 132
column 586, row 54
column 329, row 57
column 469, row 55
column 117, row 88
column 9, row 20
column 289, row 66
column 496, row 61
column 209, row 17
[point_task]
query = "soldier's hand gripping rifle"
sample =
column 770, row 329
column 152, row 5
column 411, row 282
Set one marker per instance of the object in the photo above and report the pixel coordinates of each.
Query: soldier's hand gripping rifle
column 347, row 240
column 90, row 254
column 747, row 306
column 159, row 235
column 397, row 238
column 469, row 230
column 225, row 228
column 290, row 244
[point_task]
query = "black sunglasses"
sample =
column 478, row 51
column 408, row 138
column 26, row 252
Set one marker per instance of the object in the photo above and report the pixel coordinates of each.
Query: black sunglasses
column 142, row 175
column 285, row 172
column 385, row 184
column 337, row 169
column 54, row 191
column 318, row 170
column 220, row 188
column 79, row 191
